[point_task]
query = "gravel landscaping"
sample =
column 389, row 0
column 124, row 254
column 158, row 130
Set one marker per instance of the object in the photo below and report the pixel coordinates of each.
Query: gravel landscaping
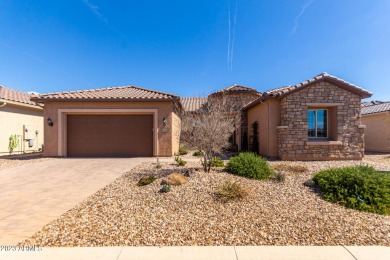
column 9, row 163
column 272, row 213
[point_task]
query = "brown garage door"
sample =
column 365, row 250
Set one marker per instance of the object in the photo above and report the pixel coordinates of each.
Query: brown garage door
column 109, row 135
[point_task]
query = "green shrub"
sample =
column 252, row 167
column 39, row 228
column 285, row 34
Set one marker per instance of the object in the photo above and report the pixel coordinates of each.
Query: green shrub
column 280, row 176
column 217, row 162
column 197, row 154
column 249, row 165
column 183, row 150
column 165, row 188
column 146, row 180
column 180, row 161
column 358, row 187
column 230, row 190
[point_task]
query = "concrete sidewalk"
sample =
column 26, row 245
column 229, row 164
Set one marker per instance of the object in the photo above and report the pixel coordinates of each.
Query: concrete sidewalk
column 204, row 253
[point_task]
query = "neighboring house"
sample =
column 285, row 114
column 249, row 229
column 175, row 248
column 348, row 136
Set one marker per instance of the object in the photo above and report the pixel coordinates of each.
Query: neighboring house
column 111, row 122
column 376, row 117
column 22, row 117
column 319, row 119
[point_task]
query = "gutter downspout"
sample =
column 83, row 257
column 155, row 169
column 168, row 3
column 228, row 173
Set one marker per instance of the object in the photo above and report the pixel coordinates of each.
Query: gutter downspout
column 3, row 105
column 268, row 128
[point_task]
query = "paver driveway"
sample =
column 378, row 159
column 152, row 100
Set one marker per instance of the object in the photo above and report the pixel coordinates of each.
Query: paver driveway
column 32, row 195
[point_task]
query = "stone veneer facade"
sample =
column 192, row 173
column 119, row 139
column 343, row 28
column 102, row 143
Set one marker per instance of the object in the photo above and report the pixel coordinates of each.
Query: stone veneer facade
column 347, row 135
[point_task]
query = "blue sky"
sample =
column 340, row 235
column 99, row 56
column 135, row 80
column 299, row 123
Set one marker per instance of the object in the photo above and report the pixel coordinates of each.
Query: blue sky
column 188, row 48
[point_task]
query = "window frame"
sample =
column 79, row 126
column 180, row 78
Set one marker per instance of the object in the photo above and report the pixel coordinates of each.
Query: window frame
column 315, row 131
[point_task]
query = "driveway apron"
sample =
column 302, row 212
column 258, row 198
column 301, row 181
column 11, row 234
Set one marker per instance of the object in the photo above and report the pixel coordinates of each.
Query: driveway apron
column 34, row 194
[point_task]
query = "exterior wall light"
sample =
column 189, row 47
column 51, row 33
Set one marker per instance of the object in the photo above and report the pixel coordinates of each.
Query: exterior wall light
column 164, row 121
column 50, row 122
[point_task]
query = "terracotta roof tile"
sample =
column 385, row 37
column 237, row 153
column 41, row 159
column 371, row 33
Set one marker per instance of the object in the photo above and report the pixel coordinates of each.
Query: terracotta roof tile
column 15, row 96
column 377, row 107
column 192, row 104
column 278, row 92
column 284, row 90
column 236, row 88
column 112, row 93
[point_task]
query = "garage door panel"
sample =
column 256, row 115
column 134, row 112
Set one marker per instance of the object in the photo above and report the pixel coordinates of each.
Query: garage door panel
column 110, row 135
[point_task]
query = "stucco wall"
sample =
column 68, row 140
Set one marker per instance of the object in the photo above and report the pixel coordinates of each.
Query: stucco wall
column 176, row 126
column 12, row 119
column 346, row 143
column 377, row 134
column 267, row 114
column 165, row 109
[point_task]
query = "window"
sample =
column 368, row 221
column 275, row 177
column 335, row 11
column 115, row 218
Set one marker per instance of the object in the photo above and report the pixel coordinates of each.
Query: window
column 317, row 123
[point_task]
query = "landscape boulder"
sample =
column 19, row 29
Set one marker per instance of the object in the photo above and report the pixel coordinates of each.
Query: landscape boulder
column 175, row 179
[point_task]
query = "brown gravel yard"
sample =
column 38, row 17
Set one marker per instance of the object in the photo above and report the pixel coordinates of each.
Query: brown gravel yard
column 273, row 213
column 9, row 163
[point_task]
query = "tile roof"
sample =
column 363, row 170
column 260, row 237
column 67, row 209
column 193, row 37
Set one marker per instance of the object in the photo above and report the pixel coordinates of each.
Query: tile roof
column 15, row 96
column 236, row 88
column 192, row 104
column 373, row 102
column 123, row 93
column 376, row 107
column 279, row 92
column 323, row 76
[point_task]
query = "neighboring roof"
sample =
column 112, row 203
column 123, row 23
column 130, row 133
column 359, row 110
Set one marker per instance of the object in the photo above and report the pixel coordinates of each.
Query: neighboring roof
column 236, row 88
column 373, row 102
column 16, row 96
column 192, row 104
column 124, row 93
column 377, row 107
column 283, row 91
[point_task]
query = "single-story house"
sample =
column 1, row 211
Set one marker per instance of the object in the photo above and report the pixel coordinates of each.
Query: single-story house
column 376, row 117
column 235, row 96
column 21, row 117
column 319, row 119
column 111, row 122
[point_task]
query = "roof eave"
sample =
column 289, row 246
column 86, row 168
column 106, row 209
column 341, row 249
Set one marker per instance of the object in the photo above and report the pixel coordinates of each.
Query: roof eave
column 43, row 100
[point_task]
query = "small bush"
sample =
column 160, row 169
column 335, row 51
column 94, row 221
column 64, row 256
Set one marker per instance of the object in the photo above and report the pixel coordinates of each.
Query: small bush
column 183, row 150
column 146, row 180
column 230, row 190
column 217, row 162
column 180, row 161
column 249, row 165
column 165, row 188
column 358, row 187
column 290, row 168
column 280, row 176
column 197, row 154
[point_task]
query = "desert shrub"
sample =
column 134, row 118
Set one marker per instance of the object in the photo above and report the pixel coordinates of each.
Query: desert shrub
column 290, row 168
column 249, row 165
column 359, row 187
column 183, row 150
column 179, row 161
column 165, row 188
column 280, row 176
column 146, row 180
column 230, row 190
column 197, row 154
column 217, row 162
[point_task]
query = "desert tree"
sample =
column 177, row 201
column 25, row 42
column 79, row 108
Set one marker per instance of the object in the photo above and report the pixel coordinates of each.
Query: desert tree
column 208, row 129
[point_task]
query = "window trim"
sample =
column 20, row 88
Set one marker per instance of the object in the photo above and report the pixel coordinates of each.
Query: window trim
column 327, row 124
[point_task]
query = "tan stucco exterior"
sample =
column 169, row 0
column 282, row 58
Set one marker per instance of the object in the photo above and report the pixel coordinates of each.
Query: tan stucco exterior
column 377, row 134
column 15, row 118
column 165, row 141
column 267, row 115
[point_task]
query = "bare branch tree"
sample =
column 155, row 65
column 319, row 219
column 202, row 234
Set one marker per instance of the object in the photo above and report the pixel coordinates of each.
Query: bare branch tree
column 209, row 129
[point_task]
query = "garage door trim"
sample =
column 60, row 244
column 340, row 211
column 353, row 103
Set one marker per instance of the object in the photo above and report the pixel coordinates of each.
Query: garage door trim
column 62, row 123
